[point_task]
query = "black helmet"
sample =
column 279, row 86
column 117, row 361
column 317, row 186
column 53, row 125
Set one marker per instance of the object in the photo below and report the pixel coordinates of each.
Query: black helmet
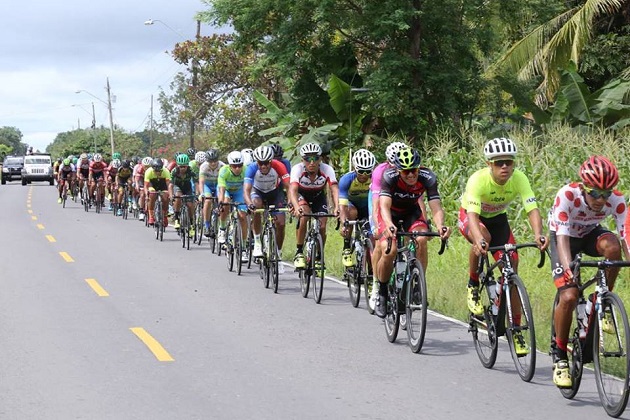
column 157, row 164
column 191, row 153
column 212, row 154
column 126, row 164
column 278, row 152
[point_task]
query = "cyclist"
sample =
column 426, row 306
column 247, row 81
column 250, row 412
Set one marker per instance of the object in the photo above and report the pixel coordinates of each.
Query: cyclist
column 278, row 154
column 574, row 225
column 110, row 175
column 56, row 166
column 230, row 187
column 83, row 172
column 483, row 218
column 157, row 179
column 173, row 163
column 123, row 178
column 97, row 176
column 262, row 185
column 65, row 173
column 402, row 188
column 353, row 197
column 208, row 175
column 307, row 193
column 200, row 158
column 183, row 182
column 138, row 178
column 248, row 156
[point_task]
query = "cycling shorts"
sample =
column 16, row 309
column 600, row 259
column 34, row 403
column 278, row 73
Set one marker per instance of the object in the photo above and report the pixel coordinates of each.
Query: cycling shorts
column 209, row 190
column 237, row 197
column 411, row 221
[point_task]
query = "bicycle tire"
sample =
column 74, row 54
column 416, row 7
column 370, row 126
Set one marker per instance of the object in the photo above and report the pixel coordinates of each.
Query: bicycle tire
column 64, row 197
column 186, row 225
column 611, row 358
column 525, row 364
column 574, row 354
column 392, row 318
column 213, row 231
column 275, row 259
column 305, row 276
column 353, row 278
column 263, row 262
column 238, row 246
column 97, row 201
column 367, row 275
column 229, row 247
column 317, row 255
column 86, row 198
column 416, row 307
column 249, row 243
column 484, row 332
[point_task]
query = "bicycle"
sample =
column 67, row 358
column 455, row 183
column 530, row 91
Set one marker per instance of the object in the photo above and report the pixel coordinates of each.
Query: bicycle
column 64, row 192
column 314, row 253
column 74, row 189
column 85, row 194
column 234, row 240
column 407, row 290
column 158, row 214
column 198, row 220
column 214, row 227
column 268, row 263
column 124, row 205
column 512, row 317
column 185, row 224
column 98, row 204
column 607, row 350
column 361, row 274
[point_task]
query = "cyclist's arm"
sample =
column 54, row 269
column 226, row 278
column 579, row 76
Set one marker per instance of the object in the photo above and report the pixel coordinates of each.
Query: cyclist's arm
column 334, row 189
column 385, row 204
column 475, row 230
column 221, row 194
column 247, row 191
column 535, row 221
column 563, row 243
column 437, row 211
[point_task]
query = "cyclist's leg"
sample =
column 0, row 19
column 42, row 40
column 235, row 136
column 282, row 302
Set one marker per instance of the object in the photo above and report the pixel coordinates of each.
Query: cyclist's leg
column 383, row 264
column 164, row 196
column 420, row 225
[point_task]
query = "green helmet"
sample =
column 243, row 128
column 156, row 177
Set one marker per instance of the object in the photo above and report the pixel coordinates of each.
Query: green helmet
column 66, row 162
column 115, row 155
column 75, row 160
column 407, row 158
column 182, row 159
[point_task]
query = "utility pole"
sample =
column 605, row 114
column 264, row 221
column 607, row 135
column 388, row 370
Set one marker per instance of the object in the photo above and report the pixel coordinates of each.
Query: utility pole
column 111, row 118
column 194, row 87
column 94, row 127
column 151, row 129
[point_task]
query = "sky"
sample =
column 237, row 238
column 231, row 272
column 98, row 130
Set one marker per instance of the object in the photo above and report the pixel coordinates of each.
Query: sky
column 50, row 49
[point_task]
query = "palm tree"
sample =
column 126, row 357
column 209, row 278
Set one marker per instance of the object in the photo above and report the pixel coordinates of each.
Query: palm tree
column 552, row 45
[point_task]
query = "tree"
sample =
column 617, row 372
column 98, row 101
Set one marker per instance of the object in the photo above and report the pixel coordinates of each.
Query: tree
column 12, row 138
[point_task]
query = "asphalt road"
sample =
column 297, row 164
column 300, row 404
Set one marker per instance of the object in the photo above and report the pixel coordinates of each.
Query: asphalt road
column 126, row 327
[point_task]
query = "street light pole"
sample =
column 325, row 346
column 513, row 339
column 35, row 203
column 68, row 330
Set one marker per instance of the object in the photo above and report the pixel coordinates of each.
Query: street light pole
column 93, row 126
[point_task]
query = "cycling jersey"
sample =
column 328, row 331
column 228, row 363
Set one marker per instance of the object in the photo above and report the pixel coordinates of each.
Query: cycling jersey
column 83, row 168
column 286, row 163
column 353, row 191
column 111, row 172
column 570, row 215
column 232, row 183
column 404, row 196
column 97, row 169
column 66, row 170
column 194, row 166
column 489, row 199
column 185, row 180
column 309, row 188
column 157, row 179
column 265, row 183
column 171, row 165
column 124, row 173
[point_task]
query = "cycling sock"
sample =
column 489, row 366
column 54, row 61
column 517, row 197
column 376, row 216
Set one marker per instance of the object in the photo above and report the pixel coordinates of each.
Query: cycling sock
column 561, row 346
column 473, row 283
column 346, row 243
column 300, row 249
column 207, row 225
column 256, row 238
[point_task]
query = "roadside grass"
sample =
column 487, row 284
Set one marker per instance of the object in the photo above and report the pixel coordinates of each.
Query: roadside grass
column 550, row 160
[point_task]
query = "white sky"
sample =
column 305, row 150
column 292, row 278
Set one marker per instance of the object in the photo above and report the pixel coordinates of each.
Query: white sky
column 50, row 49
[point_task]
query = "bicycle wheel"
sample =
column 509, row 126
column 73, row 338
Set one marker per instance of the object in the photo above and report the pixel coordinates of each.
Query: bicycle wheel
column 274, row 259
column 263, row 262
column 238, row 246
column 198, row 223
column 521, row 328
column 416, row 307
column 610, row 356
column 574, row 354
column 249, row 243
column 367, row 276
column 484, row 332
column 305, row 273
column 157, row 214
column 353, row 278
column 214, row 230
column 184, row 229
column 97, row 203
column 392, row 318
column 318, row 269
column 86, row 198
column 229, row 247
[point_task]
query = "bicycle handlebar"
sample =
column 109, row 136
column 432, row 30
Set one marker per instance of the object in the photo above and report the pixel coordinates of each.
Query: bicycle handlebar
column 513, row 247
column 414, row 235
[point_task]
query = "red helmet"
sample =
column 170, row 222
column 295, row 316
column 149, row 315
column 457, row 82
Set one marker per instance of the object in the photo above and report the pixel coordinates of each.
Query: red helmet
column 598, row 172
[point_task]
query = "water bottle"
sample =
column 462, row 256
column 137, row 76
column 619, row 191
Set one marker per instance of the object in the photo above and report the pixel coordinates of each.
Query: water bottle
column 582, row 317
column 493, row 288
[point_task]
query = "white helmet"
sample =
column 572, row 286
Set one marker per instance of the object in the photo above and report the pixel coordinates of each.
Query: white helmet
column 200, row 157
column 116, row 163
column 247, row 156
column 263, row 154
column 363, row 160
column 310, row 149
column 97, row 157
column 499, row 147
column 392, row 150
column 147, row 161
column 235, row 158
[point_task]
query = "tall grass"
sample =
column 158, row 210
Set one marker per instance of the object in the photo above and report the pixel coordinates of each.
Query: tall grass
column 550, row 160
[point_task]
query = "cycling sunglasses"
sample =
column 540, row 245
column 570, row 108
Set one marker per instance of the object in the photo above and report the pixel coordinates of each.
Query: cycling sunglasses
column 597, row 193
column 311, row 159
column 409, row 171
column 503, row 162
column 264, row 162
column 364, row 171
column 236, row 166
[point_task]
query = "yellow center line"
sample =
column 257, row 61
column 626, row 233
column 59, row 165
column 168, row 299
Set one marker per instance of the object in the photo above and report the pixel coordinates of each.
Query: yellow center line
column 66, row 257
column 51, row 238
column 156, row 348
column 33, row 217
column 28, row 205
column 29, row 211
column 40, row 226
column 97, row 287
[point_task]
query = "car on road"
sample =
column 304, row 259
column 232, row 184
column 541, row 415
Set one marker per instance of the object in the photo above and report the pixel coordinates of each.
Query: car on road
column 12, row 168
column 37, row 167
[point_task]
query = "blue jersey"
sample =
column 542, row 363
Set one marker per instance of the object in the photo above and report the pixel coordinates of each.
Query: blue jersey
column 351, row 190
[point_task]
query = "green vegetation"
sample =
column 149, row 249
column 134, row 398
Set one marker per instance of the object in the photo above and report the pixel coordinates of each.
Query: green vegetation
column 550, row 160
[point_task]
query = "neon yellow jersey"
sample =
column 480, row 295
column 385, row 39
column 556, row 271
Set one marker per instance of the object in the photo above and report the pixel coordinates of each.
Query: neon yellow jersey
column 489, row 199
